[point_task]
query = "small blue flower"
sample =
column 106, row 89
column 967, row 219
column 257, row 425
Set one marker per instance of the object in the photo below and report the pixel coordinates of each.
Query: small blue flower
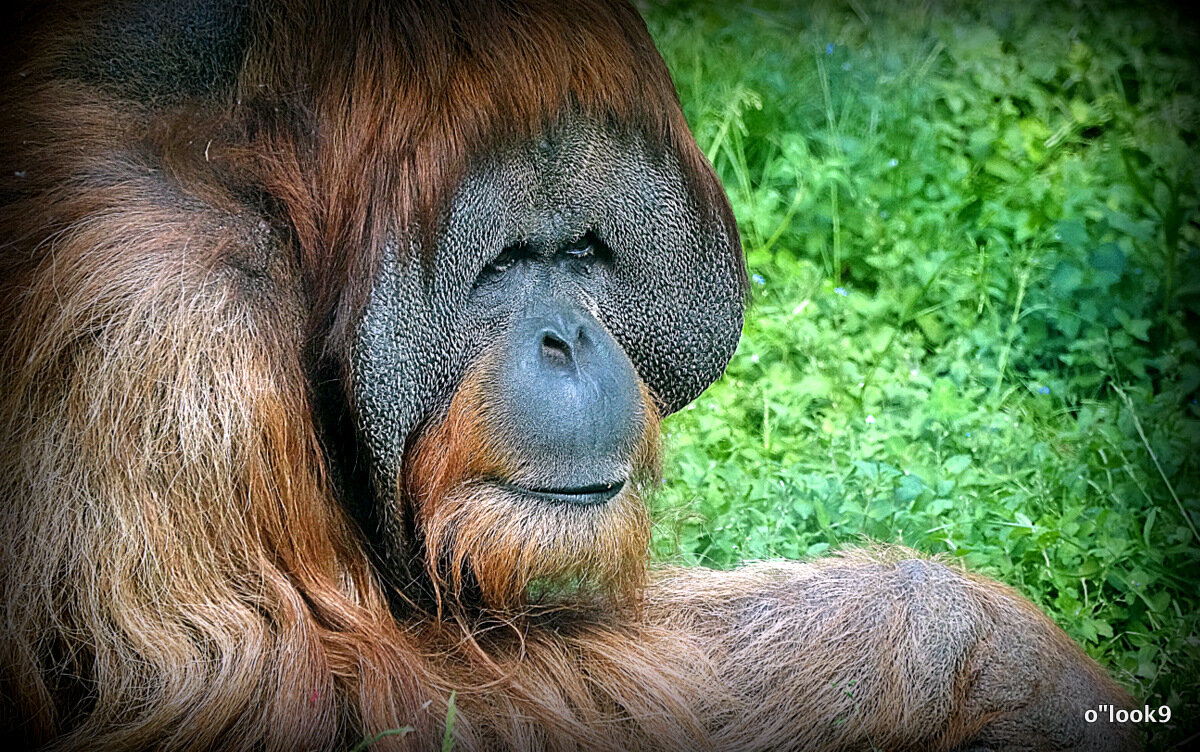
column 968, row 434
column 1043, row 390
column 893, row 162
column 883, row 214
column 759, row 280
column 829, row 49
column 841, row 291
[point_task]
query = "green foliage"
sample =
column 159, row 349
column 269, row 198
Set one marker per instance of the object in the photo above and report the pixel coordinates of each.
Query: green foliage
column 448, row 736
column 370, row 741
column 974, row 243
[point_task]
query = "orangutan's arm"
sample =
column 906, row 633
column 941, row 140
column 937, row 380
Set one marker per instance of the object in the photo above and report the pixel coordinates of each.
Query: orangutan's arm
column 877, row 651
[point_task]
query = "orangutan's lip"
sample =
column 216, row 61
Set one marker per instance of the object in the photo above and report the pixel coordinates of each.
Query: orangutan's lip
column 597, row 493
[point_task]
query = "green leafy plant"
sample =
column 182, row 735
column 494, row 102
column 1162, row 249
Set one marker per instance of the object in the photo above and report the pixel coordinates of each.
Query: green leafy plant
column 974, row 243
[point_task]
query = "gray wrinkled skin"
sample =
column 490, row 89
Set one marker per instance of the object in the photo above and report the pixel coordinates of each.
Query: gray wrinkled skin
column 670, row 297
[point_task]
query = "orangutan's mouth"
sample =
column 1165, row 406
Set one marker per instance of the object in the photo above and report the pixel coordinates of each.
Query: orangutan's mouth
column 594, row 494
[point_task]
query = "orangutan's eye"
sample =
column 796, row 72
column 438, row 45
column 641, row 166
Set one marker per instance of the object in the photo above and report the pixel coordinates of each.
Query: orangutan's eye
column 583, row 248
column 505, row 261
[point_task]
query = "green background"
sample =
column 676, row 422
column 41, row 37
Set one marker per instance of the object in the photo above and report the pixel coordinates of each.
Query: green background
column 974, row 243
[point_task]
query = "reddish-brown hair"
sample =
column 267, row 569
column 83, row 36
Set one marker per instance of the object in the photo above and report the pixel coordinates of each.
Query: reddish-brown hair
column 176, row 571
column 407, row 94
column 179, row 573
column 511, row 544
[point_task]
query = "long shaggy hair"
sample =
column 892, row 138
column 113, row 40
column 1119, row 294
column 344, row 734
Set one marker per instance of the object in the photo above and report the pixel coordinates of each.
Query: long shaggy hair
column 176, row 571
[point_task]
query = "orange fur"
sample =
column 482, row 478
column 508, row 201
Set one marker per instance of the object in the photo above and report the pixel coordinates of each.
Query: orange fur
column 508, row 542
column 176, row 572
